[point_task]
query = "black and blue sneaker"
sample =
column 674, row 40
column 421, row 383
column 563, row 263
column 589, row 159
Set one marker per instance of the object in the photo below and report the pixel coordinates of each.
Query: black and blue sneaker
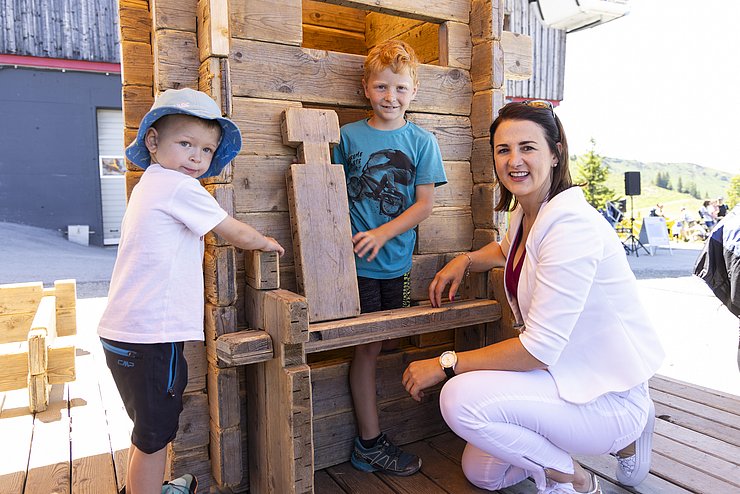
column 384, row 457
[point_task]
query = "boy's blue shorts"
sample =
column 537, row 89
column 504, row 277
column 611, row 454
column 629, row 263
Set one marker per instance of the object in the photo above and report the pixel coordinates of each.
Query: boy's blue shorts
column 151, row 379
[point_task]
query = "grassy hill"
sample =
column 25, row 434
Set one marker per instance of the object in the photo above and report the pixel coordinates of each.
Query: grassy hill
column 710, row 183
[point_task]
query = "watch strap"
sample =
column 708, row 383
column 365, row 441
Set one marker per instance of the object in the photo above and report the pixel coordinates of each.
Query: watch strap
column 449, row 371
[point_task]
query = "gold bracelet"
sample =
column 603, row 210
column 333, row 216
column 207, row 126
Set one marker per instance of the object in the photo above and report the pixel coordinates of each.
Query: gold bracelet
column 470, row 263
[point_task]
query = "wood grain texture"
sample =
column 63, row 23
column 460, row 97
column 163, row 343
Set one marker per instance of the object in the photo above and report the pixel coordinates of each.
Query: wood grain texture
column 322, row 241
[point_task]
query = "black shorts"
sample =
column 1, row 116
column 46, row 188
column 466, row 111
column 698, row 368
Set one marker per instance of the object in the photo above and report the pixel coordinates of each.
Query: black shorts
column 389, row 294
column 151, row 379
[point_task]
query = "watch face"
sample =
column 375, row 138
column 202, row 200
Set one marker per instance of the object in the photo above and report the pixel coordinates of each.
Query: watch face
column 447, row 359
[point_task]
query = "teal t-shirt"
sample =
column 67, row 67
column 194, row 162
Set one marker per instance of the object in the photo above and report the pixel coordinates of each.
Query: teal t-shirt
column 383, row 168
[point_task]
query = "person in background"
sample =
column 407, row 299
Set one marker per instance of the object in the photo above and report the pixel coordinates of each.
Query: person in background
column 575, row 380
column 706, row 214
column 721, row 208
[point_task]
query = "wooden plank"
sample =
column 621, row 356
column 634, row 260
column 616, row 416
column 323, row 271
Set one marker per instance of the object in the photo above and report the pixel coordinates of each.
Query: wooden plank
column 262, row 269
column 386, row 325
column 456, row 192
column 214, row 79
column 688, row 478
column 176, row 60
column 486, row 20
column 137, row 100
column 219, row 275
column 404, row 421
column 213, row 28
column 455, row 45
column 487, row 66
column 277, row 21
column 352, row 480
column 136, row 64
column 49, row 463
column 260, row 123
column 724, row 472
column 481, row 159
column 445, row 472
column 445, row 230
column 275, row 225
column 443, row 10
column 224, row 195
column 330, row 378
column 324, row 484
column 194, row 461
column 14, row 327
column 14, row 362
column 259, row 183
column 518, row 56
column 504, row 328
column 226, row 455
column 424, row 39
column 20, row 297
column 382, row 27
column 482, row 204
column 223, row 397
column 173, row 14
column 692, row 421
column 423, row 270
column 606, row 466
column 333, row 16
column 195, row 355
column 486, row 105
column 265, row 70
column 700, row 411
column 482, row 238
column 135, row 21
column 92, row 461
column 194, row 424
column 244, row 347
column 322, row 241
column 698, row 442
column 324, row 38
column 699, row 394
column 16, row 429
column 311, row 130
column 453, row 134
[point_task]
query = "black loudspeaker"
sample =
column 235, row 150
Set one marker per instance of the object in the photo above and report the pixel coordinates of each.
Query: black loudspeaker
column 632, row 183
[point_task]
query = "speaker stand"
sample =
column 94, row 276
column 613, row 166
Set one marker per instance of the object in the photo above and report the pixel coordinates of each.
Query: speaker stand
column 632, row 244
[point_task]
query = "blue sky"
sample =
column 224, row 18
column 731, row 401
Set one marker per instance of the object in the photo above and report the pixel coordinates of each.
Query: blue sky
column 660, row 84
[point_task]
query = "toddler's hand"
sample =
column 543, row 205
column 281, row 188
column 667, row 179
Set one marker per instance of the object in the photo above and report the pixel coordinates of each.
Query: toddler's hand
column 370, row 241
column 272, row 245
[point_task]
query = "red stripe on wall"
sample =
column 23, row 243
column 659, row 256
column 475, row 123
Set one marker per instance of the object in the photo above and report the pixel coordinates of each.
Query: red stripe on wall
column 60, row 64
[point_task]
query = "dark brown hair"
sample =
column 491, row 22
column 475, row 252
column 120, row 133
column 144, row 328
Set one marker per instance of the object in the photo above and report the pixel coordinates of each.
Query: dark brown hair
column 554, row 134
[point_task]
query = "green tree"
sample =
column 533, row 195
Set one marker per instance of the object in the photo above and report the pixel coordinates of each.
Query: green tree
column 679, row 185
column 733, row 192
column 593, row 173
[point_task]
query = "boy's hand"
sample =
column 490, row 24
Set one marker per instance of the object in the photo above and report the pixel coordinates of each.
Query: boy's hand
column 370, row 241
column 272, row 245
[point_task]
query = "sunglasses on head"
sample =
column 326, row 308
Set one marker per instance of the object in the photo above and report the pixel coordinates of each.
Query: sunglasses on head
column 539, row 103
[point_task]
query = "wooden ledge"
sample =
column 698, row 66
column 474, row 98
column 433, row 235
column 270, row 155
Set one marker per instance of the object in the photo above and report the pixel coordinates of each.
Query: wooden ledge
column 391, row 324
column 244, row 347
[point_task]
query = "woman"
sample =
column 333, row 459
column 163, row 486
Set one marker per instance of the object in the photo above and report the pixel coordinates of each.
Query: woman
column 575, row 380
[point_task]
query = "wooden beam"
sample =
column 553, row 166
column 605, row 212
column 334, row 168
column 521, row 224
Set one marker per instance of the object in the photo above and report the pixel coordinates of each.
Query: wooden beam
column 213, row 28
column 486, row 20
column 262, row 269
column 487, row 69
column 486, row 105
column 518, row 55
column 440, row 11
column 176, row 60
column 453, row 133
column 224, row 195
column 244, row 347
column 219, row 275
column 387, row 325
column 455, row 47
column 445, row 230
column 275, row 21
column 266, row 70
column 311, row 131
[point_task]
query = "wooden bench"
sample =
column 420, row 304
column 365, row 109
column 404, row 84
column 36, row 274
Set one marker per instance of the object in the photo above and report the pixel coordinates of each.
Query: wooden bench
column 37, row 328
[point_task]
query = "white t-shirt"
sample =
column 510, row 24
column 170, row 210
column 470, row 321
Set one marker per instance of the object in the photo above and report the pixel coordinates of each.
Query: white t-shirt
column 156, row 291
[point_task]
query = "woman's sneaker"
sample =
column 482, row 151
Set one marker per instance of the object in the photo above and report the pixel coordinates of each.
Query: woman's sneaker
column 187, row 484
column 384, row 457
column 633, row 462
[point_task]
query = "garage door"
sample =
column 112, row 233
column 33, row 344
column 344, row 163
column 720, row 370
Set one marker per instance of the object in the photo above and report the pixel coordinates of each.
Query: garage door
column 112, row 169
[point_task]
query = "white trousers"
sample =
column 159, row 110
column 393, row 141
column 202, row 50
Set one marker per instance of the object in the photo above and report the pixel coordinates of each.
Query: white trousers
column 516, row 425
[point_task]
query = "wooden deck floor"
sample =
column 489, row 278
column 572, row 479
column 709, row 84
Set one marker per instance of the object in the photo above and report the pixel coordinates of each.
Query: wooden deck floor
column 80, row 443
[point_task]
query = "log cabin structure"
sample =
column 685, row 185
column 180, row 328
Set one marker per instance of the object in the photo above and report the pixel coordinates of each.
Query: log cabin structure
column 268, row 402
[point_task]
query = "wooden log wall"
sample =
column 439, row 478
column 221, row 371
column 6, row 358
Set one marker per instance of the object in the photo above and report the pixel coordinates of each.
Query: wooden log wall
column 288, row 54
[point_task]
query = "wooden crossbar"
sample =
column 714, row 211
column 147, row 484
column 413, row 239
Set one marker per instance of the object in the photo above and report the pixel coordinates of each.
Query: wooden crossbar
column 244, row 347
column 397, row 323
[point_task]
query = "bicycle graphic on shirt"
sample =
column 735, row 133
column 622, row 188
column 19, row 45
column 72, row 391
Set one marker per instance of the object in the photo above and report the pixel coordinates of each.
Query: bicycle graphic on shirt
column 382, row 171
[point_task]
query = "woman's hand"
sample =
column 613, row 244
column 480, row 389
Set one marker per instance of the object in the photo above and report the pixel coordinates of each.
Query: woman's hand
column 420, row 375
column 452, row 274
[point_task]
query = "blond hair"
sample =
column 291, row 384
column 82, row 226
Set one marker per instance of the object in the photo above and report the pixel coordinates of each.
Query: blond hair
column 394, row 54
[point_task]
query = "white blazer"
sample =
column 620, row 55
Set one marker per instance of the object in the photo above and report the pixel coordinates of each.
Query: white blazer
column 579, row 303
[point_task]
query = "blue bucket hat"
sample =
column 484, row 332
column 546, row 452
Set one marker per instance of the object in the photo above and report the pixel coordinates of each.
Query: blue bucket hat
column 197, row 104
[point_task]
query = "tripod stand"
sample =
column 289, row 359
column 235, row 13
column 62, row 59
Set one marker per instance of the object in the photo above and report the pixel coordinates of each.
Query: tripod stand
column 632, row 243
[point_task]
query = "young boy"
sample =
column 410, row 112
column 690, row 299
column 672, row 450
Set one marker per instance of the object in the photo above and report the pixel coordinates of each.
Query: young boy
column 155, row 302
column 392, row 167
